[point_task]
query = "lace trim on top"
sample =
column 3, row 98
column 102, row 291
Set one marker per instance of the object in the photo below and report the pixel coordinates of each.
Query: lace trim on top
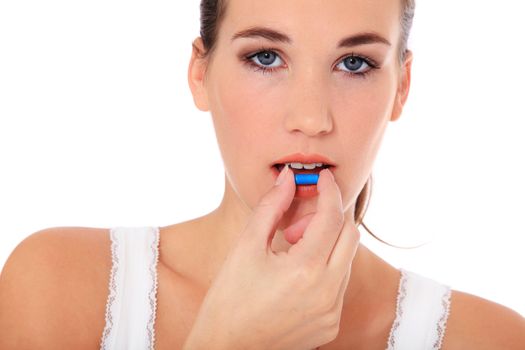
column 153, row 292
column 401, row 294
column 112, row 290
column 152, row 295
column 442, row 324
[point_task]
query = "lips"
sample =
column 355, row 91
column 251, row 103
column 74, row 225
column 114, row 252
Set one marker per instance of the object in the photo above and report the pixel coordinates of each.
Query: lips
column 316, row 170
column 305, row 159
column 294, row 232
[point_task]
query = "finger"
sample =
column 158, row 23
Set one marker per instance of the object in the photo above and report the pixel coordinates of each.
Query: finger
column 294, row 232
column 338, row 307
column 322, row 232
column 262, row 224
column 345, row 249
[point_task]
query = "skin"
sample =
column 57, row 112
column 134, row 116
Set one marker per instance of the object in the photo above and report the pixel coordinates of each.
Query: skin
column 308, row 105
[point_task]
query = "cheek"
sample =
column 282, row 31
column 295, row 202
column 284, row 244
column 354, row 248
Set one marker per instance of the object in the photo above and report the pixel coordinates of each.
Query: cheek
column 363, row 108
column 244, row 118
column 245, row 110
column 248, row 110
column 362, row 111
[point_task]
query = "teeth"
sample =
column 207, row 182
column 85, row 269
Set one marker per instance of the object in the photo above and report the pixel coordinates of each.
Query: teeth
column 305, row 166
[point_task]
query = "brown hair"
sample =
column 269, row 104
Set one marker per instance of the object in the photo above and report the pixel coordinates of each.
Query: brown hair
column 211, row 15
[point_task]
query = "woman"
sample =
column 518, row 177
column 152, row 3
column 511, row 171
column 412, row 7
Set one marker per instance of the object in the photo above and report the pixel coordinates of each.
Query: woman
column 278, row 265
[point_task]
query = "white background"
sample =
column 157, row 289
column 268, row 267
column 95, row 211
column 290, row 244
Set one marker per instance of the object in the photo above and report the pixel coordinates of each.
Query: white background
column 98, row 129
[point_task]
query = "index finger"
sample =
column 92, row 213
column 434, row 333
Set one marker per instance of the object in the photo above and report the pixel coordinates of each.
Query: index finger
column 321, row 234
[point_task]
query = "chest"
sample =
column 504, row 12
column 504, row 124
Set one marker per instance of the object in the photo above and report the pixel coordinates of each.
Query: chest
column 366, row 318
column 178, row 303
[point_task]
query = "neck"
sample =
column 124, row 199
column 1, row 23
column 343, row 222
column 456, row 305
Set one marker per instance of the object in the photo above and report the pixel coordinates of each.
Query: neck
column 226, row 222
column 197, row 249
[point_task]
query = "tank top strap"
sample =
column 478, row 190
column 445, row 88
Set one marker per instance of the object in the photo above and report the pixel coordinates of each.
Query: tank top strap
column 132, row 299
column 423, row 306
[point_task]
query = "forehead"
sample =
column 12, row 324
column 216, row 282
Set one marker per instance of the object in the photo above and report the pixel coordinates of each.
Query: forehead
column 315, row 19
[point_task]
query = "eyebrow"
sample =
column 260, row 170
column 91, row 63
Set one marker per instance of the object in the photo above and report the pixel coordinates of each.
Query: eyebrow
column 276, row 36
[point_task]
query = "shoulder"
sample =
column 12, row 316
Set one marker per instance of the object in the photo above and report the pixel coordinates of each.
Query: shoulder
column 58, row 279
column 477, row 323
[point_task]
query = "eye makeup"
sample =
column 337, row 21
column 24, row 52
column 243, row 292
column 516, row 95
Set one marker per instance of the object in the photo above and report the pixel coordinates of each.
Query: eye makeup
column 371, row 63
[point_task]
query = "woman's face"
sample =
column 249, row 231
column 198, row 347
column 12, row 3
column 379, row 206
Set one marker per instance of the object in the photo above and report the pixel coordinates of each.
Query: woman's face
column 319, row 97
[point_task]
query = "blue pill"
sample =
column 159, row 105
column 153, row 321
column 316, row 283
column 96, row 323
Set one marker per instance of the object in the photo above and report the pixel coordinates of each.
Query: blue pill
column 306, row 179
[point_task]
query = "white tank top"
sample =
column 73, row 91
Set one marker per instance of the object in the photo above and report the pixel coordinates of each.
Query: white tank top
column 421, row 313
column 132, row 299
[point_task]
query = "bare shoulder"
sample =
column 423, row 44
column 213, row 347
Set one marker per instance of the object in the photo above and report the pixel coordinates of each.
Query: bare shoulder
column 53, row 289
column 478, row 323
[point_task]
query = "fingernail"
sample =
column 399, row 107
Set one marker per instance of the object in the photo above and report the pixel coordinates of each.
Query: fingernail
column 330, row 175
column 281, row 176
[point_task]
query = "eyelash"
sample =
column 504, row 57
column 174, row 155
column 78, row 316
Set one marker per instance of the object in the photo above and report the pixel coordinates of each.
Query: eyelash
column 265, row 70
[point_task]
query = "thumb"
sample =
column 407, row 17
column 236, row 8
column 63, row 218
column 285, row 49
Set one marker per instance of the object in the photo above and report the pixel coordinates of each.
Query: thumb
column 262, row 224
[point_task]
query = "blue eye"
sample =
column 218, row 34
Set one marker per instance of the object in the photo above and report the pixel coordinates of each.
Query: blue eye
column 354, row 63
column 265, row 58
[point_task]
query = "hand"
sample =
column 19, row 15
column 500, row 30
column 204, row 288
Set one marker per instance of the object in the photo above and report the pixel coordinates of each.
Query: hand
column 286, row 300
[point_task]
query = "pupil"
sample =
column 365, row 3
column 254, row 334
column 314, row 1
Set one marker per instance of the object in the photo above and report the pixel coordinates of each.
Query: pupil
column 353, row 63
column 266, row 57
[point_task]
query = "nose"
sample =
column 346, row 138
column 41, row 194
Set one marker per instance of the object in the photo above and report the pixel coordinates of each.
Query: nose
column 309, row 111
